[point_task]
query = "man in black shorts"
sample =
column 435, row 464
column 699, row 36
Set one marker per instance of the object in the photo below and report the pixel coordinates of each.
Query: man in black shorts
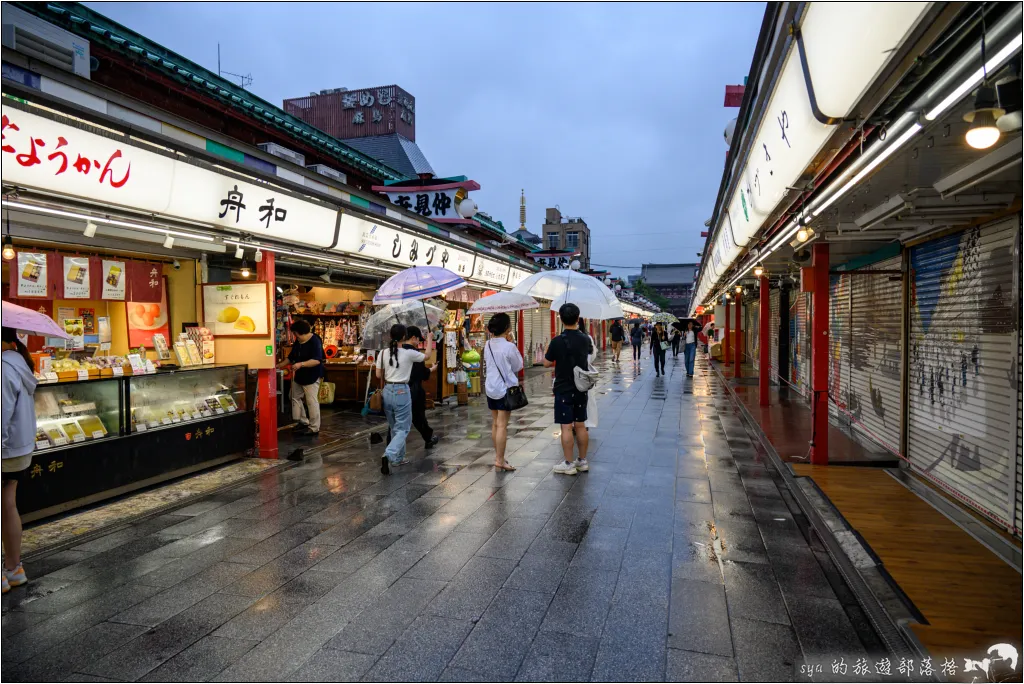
column 567, row 352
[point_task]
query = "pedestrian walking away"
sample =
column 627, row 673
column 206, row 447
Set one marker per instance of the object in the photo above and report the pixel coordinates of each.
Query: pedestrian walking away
column 618, row 334
column 420, row 374
column 689, row 348
column 19, row 441
column 502, row 363
column 306, row 360
column 567, row 352
column 659, row 348
column 394, row 368
column 676, row 338
column 636, row 340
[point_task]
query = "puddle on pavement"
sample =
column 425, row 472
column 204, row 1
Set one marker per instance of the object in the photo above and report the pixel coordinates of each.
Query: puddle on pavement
column 578, row 532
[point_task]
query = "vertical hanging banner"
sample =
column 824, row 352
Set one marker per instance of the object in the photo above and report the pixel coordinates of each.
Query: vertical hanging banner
column 145, row 283
column 76, row 278
column 30, row 278
column 114, row 279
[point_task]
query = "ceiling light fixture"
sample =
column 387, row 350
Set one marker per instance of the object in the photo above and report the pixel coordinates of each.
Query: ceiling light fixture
column 239, row 252
column 8, row 253
column 169, row 242
column 245, row 268
column 983, row 132
column 759, row 270
column 972, row 81
column 90, row 229
column 105, row 220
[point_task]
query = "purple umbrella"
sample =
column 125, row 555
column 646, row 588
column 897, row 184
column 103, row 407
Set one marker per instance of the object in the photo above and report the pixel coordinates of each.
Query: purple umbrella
column 418, row 282
column 27, row 320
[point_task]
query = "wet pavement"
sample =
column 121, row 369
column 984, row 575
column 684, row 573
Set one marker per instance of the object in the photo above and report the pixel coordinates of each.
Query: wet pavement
column 680, row 556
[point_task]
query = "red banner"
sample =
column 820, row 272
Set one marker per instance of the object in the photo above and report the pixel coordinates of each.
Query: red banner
column 145, row 281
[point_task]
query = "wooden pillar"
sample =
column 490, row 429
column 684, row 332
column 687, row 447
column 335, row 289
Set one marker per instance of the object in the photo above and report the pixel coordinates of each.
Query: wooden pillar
column 737, row 356
column 819, row 353
column 725, row 337
column 266, row 378
column 764, row 344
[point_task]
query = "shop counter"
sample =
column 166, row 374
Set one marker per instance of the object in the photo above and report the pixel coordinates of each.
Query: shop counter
column 349, row 379
column 103, row 437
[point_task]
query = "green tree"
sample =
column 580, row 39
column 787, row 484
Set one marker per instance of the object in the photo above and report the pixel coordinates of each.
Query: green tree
column 645, row 290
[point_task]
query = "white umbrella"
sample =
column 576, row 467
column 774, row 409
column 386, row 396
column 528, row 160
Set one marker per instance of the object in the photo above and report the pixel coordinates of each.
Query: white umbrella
column 593, row 297
column 503, row 302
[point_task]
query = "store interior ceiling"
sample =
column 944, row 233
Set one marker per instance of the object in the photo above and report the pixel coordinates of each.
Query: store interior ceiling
column 912, row 173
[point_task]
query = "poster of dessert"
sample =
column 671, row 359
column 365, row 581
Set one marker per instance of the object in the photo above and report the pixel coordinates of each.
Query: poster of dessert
column 76, row 278
column 31, row 275
column 146, row 319
column 237, row 309
column 113, row 280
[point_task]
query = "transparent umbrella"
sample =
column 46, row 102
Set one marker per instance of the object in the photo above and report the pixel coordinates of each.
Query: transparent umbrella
column 376, row 332
column 593, row 297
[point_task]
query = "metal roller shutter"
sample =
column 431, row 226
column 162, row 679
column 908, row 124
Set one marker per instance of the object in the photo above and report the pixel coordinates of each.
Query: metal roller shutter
column 527, row 338
column 800, row 343
column 774, row 299
column 751, row 333
column 962, row 394
column 1019, row 492
column 839, row 325
column 873, row 366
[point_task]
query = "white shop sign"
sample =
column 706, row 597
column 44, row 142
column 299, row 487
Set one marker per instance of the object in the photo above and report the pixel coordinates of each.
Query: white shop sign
column 373, row 240
column 516, row 276
column 843, row 63
column 490, row 271
column 45, row 154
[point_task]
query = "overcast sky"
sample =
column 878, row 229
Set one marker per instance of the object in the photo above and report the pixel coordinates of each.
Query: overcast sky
column 613, row 112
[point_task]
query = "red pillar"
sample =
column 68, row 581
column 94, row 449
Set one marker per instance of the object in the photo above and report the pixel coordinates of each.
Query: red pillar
column 737, row 356
column 725, row 337
column 764, row 344
column 554, row 327
column 266, row 378
column 604, row 335
column 819, row 353
column 520, row 341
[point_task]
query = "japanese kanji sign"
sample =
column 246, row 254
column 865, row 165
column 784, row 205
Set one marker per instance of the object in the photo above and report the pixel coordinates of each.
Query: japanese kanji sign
column 145, row 281
column 42, row 153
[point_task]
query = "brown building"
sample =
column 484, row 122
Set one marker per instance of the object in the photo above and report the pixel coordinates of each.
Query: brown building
column 348, row 114
column 567, row 233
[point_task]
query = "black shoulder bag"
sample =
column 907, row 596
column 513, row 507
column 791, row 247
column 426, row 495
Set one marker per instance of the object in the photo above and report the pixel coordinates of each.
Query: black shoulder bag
column 515, row 397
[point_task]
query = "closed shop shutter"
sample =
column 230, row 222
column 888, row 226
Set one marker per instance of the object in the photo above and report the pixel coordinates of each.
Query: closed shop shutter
column 839, row 325
column 527, row 338
column 963, row 403
column 1018, row 503
column 872, row 363
column 800, row 343
column 774, row 299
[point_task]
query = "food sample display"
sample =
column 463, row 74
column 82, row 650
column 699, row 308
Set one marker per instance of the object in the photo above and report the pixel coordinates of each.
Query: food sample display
column 184, row 396
column 78, row 412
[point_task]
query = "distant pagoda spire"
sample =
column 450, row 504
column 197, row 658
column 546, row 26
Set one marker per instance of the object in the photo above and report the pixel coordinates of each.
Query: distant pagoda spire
column 522, row 209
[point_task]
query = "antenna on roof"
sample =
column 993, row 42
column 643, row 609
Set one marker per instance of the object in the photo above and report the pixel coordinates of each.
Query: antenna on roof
column 244, row 81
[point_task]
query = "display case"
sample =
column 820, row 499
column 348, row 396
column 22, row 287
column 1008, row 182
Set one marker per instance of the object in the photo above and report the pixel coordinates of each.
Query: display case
column 70, row 413
column 104, row 437
column 184, row 396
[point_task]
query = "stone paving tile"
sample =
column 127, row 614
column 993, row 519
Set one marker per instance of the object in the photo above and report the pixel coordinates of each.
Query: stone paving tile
column 330, row 665
column 377, row 627
column 75, row 653
column 581, row 603
column 688, row 666
column 765, row 652
column 201, row 661
column 446, row 559
column 754, row 593
column 698, row 618
column 423, row 651
column 557, row 657
column 468, row 595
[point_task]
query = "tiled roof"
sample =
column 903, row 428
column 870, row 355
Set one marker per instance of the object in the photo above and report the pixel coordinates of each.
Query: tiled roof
column 397, row 152
column 83, row 21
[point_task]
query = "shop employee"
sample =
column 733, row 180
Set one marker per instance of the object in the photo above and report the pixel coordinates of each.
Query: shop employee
column 307, row 363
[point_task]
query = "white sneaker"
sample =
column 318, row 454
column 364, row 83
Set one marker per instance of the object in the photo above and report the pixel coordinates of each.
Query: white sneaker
column 582, row 465
column 564, row 468
column 15, row 577
column 7, row 586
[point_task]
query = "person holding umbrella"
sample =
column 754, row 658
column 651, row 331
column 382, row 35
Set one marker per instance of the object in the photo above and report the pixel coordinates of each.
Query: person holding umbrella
column 420, row 374
column 394, row 368
column 659, row 345
column 19, row 434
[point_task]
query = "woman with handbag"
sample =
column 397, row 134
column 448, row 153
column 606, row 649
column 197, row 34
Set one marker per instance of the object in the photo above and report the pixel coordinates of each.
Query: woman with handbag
column 659, row 346
column 502, row 361
column 394, row 368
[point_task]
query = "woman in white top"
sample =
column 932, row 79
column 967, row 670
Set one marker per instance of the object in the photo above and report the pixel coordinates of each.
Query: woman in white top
column 689, row 348
column 394, row 367
column 502, row 362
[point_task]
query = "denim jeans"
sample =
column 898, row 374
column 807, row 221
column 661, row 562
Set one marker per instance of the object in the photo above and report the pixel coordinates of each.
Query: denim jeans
column 398, row 409
column 690, row 353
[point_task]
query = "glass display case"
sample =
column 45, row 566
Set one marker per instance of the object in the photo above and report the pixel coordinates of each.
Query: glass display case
column 184, row 396
column 74, row 412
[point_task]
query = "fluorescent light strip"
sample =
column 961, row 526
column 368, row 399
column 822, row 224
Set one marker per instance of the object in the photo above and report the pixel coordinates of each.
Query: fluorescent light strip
column 886, row 153
column 976, row 78
column 288, row 252
column 109, row 221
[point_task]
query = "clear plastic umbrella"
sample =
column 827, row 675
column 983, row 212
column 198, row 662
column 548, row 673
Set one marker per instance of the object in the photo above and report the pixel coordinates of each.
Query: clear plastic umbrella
column 503, row 302
column 376, row 332
column 593, row 297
